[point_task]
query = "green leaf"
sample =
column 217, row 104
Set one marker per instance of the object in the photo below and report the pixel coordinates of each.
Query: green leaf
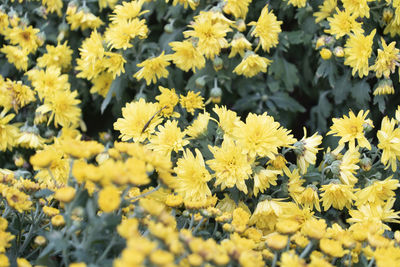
column 360, row 92
column 43, row 193
column 341, row 88
column 285, row 71
column 114, row 88
column 380, row 100
column 285, row 102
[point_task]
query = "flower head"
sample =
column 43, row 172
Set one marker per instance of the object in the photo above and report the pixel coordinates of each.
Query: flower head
column 153, row 68
column 251, row 65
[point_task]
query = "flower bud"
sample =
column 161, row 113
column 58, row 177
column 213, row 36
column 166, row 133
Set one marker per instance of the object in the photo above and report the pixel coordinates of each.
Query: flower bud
column 218, row 63
column 335, row 167
column 200, row 82
column 387, row 15
column 241, row 25
column 169, row 28
column 325, row 53
column 215, row 94
column 338, row 51
column 320, row 42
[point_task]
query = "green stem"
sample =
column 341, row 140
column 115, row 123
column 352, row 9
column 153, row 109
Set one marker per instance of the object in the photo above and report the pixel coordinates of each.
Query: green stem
column 145, row 194
column 306, row 250
column 198, row 225
column 101, row 258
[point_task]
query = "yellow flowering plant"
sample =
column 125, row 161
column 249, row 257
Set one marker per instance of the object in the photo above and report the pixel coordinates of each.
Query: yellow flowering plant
column 199, row 133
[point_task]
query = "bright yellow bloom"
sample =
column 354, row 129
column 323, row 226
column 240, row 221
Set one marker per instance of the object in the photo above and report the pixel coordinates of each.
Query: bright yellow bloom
column 267, row 213
column 228, row 119
column 358, row 7
column 237, row 8
column 192, row 177
column 192, row 101
column 82, row 19
column 63, row 107
column 114, row 62
column 185, row 3
column 102, row 84
column 325, row 10
column 16, row 199
column 57, row 56
column 167, row 101
column 325, row 53
column 15, row 95
column 153, row 68
column 373, row 212
column 263, row 178
column 210, row 34
column 230, row 165
column 385, row 87
column 358, row 49
column 109, row 199
column 343, row 23
column 262, row 136
column 332, row 247
column 337, row 195
column 120, row 35
column 186, row 56
column 251, row 65
column 378, row 192
column 297, row 3
column 16, row 56
column 53, row 6
column 389, row 142
column 139, row 120
column 267, row 28
column 8, row 132
column 351, row 128
column 25, row 37
column 65, row 194
column 387, row 60
column 306, row 150
column 30, row 139
column 168, row 138
column 348, row 166
column 314, row 228
column 239, row 45
column 309, row 198
column 198, row 126
column 127, row 11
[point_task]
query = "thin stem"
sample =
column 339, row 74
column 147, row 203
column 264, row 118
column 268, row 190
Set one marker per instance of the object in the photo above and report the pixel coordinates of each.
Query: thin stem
column 371, row 262
column 191, row 222
column 198, row 225
column 275, row 260
column 145, row 194
column 306, row 250
column 106, row 250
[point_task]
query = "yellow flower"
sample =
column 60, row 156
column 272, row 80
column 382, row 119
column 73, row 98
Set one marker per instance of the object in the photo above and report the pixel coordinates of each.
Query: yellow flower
column 251, row 65
column 374, row 212
column 237, row 8
column 267, row 28
column 192, row 101
column 63, row 107
column 198, row 126
column 102, row 84
column 153, row 68
column 343, row 23
column 8, row 132
column 17, row 56
column 21, row 262
column 192, row 177
column 350, row 129
column 314, row 228
column 230, row 165
column 227, row 119
column 83, row 19
column 267, row 213
column 298, row 3
column 127, row 11
column 168, row 138
column 50, row 211
column 30, row 139
column 239, row 45
column 114, row 62
column 332, row 247
column 262, row 136
column 25, row 37
column 263, row 178
column 325, row 53
column 65, row 194
column 139, row 120
column 58, row 220
column 120, row 35
column 167, row 100
column 337, row 195
column 325, row 10
column 358, row 49
column 306, row 150
column 57, row 56
column 387, row 60
column 378, row 192
column 348, row 166
column 389, row 142
column 385, row 87
column 276, row 241
column 16, row 199
column 15, row 95
column 109, row 199
column 53, row 6
column 210, row 34
column 291, row 259
column 185, row 3
column 358, row 7
column 309, row 198
column 187, row 56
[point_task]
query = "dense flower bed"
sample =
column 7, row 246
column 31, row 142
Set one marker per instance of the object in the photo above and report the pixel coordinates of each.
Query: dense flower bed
column 174, row 133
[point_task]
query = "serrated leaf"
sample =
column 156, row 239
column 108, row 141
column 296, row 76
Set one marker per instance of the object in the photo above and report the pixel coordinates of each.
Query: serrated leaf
column 285, row 71
column 43, row 193
column 341, row 88
column 380, row 100
column 360, row 92
column 285, row 102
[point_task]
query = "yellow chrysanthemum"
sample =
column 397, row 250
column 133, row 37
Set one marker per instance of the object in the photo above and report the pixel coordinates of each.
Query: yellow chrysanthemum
column 185, row 3
column 192, row 177
column 187, row 56
column 139, row 120
column 127, row 11
column 153, row 68
column 297, row 3
column 58, row 56
column 16, row 56
column 239, row 45
column 359, row 8
column 198, row 126
column 343, row 23
column 348, row 166
column 228, row 119
column 167, row 100
column 168, row 138
column 230, row 165
column 25, row 37
column 210, row 34
column 377, row 192
column 384, row 87
column 387, row 60
column 53, row 6
column 325, row 10
column 8, row 132
column 192, row 101
column 267, row 28
column 102, row 84
column 351, row 128
column 358, row 49
column 389, row 142
column 262, row 136
column 306, row 150
column 237, row 8
column 337, row 195
column 251, row 65
column 120, row 35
